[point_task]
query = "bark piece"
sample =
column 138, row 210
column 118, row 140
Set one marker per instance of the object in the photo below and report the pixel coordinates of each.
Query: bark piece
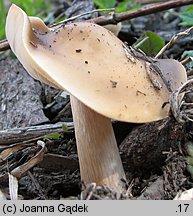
column 17, row 135
column 20, row 103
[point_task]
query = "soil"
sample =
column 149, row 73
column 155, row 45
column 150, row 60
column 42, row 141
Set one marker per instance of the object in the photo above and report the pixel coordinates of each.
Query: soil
column 154, row 155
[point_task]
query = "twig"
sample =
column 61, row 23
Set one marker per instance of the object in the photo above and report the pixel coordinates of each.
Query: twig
column 141, row 42
column 55, row 20
column 173, row 41
column 93, row 185
column 4, row 45
column 143, row 2
column 80, row 15
column 181, row 109
column 186, row 60
column 37, row 186
column 115, row 18
column 17, row 135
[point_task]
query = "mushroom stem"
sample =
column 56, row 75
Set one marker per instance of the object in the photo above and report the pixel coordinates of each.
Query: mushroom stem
column 98, row 153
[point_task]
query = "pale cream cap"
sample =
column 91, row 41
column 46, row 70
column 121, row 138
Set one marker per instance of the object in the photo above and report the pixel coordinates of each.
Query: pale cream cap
column 91, row 64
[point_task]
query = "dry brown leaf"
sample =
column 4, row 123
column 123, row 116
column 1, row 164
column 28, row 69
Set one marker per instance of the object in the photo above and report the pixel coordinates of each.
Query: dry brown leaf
column 28, row 151
column 11, row 150
column 19, row 171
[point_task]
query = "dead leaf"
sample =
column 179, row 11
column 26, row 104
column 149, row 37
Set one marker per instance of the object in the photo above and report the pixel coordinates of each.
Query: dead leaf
column 27, row 153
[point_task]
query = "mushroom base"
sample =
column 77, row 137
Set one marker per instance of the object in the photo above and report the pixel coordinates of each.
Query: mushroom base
column 98, row 153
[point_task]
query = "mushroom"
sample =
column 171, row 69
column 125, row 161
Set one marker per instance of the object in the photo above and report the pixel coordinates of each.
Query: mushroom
column 115, row 28
column 105, row 81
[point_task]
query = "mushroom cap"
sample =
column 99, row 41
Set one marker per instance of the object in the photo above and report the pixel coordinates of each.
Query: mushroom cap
column 91, row 64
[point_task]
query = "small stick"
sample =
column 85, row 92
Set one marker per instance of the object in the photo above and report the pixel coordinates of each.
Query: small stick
column 17, row 135
column 143, row 2
column 179, row 107
column 37, row 185
column 154, row 8
column 141, row 42
column 115, row 18
column 80, row 15
column 173, row 41
column 4, row 45
column 58, row 17
column 186, row 60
